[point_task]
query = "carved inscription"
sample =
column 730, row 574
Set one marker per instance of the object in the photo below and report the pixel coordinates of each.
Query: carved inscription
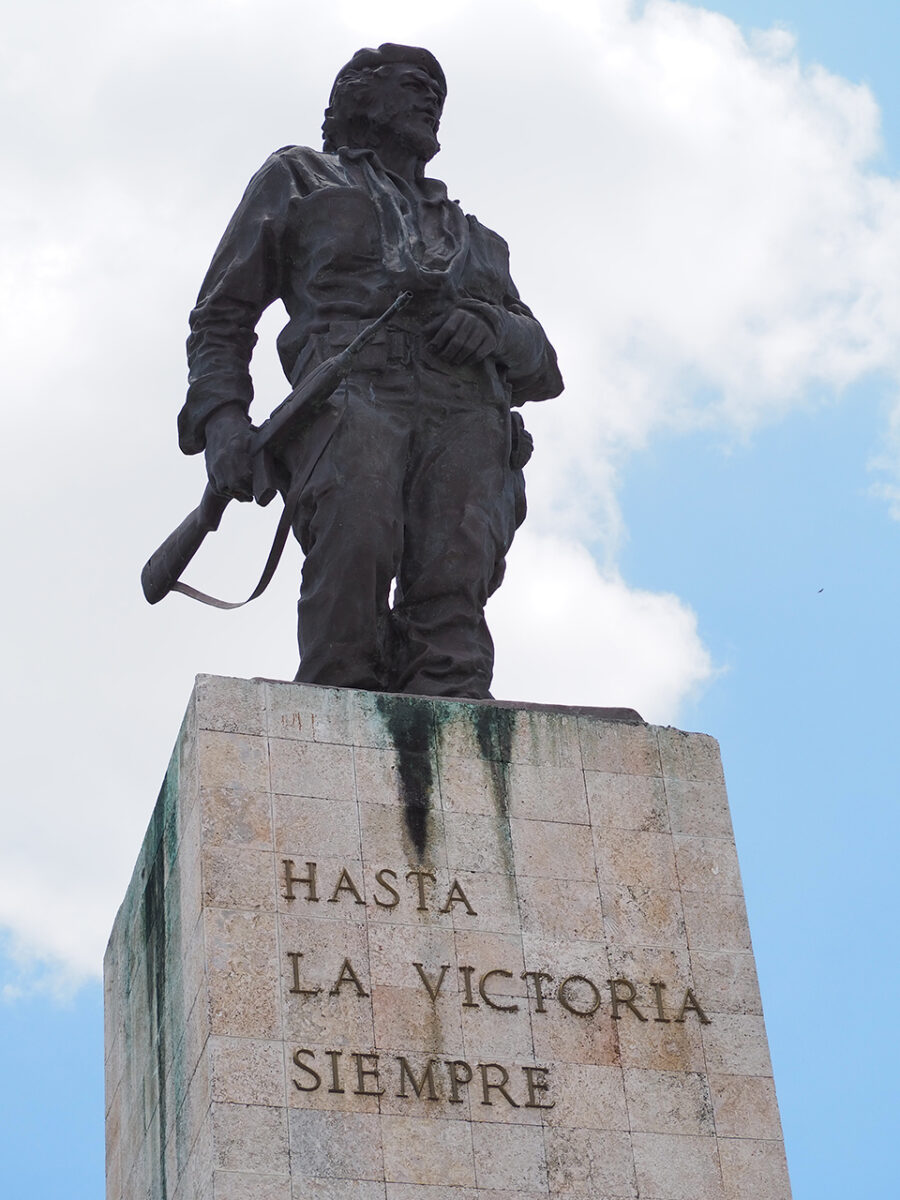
column 575, row 993
column 366, row 1073
column 386, row 891
column 473, row 986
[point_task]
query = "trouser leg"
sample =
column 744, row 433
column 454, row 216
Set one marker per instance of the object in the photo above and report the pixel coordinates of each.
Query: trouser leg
column 350, row 527
column 459, row 524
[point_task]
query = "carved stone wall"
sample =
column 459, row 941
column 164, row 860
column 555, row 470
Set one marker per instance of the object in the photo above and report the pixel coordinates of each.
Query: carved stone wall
column 385, row 948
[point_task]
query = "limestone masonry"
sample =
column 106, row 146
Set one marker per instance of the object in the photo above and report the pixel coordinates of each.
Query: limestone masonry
column 388, row 948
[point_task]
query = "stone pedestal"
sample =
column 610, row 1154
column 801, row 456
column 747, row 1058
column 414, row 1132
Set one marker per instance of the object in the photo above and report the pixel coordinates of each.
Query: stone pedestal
column 383, row 948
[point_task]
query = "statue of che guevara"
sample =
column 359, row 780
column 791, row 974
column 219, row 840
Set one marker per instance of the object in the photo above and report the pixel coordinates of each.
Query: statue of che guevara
column 410, row 474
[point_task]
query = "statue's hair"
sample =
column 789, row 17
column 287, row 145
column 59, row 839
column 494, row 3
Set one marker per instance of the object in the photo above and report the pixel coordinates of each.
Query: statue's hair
column 349, row 95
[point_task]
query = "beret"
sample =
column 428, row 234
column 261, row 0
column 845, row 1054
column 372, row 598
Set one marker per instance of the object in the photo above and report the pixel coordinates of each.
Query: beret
column 390, row 52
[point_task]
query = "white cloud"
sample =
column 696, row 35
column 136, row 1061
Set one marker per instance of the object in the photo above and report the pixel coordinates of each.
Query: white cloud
column 696, row 219
column 610, row 646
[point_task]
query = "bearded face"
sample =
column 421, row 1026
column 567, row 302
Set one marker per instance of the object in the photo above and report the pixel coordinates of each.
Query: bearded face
column 397, row 102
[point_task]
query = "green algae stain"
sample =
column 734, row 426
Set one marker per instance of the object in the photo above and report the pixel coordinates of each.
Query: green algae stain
column 410, row 723
column 154, row 935
column 494, row 733
column 160, row 928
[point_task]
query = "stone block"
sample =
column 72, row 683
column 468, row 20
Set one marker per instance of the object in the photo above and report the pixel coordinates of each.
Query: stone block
column 242, row 1185
column 507, row 734
column 635, row 915
column 657, row 1047
column 336, row 1145
column 562, row 1037
column 634, row 858
column 388, row 948
column 618, row 749
column 414, row 1191
column 561, row 909
column 635, row 802
column 342, row 1189
column 552, row 850
column 234, row 761
column 698, row 807
column 395, row 949
column 326, row 1020
column 591, row 1162
column 387, row 838
column 486, row 950
column 407, row 1019
column 677, row 1166
column 230, row 705
column 754, row 1170
column 435, row 1153
column 727, row 980
column 250, row 1137
column 588, row 1097
column 242, row 968
column 510, row 1157
column 715, row 926
column 378, row 777
column 693, row 757
column 247, row 1071
column 320, row 887
column 235, row 817
column 707, row 865
column 497, row 1034
column 745, row 1107
column 494, row 901
column 547, row 793
column 473, row 785
column 234, row 877
column 496, row 1111
column 479, row 844
column 312, row 769
column 736, row 1044
column 309, row 827
column 676, row 1102
column 329, row 1079
column 308, row 714
column 545, row 737
column 670, row 966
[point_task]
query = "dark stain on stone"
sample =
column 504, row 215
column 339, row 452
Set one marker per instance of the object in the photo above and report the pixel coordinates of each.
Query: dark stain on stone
column 409, row 721
column 494, row 731
column 154, row 931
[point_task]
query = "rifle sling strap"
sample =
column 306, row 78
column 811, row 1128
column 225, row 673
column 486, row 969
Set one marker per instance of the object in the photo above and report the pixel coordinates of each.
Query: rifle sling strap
column 278, row 544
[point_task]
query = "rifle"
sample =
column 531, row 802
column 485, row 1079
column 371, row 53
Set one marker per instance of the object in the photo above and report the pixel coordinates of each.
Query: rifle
column 162, row 571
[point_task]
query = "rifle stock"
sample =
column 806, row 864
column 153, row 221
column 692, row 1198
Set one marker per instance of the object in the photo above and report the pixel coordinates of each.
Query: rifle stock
column 163, row 568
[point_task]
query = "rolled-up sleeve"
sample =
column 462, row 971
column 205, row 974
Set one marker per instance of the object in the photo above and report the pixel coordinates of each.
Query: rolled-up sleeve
column 524, row 354
column 532, row 369
column 244, row 278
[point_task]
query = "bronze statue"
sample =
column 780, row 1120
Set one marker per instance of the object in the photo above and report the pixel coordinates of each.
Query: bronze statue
column 409, row 473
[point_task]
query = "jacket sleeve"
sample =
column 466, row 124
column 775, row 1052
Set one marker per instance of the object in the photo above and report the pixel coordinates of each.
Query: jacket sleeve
column 524, row 354
column 243, row 279
column 523, row 347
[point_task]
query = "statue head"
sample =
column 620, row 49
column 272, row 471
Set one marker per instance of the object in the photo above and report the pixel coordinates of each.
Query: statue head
column 392, row 93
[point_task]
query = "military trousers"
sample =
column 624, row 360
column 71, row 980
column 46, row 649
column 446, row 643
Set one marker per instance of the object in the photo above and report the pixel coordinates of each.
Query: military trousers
column 405, row 522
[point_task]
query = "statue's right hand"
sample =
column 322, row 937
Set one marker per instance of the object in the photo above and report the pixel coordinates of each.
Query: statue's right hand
column 228, row 458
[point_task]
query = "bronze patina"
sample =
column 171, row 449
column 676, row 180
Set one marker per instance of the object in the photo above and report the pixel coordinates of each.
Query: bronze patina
column 403, row 483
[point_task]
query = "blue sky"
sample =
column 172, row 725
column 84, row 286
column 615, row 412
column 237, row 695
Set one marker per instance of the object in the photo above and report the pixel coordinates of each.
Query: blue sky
column 712, row 539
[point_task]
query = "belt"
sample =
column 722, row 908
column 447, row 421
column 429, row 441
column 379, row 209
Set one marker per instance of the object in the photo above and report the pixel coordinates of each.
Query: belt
column 389, row 345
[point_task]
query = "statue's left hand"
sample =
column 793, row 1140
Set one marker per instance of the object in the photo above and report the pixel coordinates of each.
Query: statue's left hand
column 461, row 337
